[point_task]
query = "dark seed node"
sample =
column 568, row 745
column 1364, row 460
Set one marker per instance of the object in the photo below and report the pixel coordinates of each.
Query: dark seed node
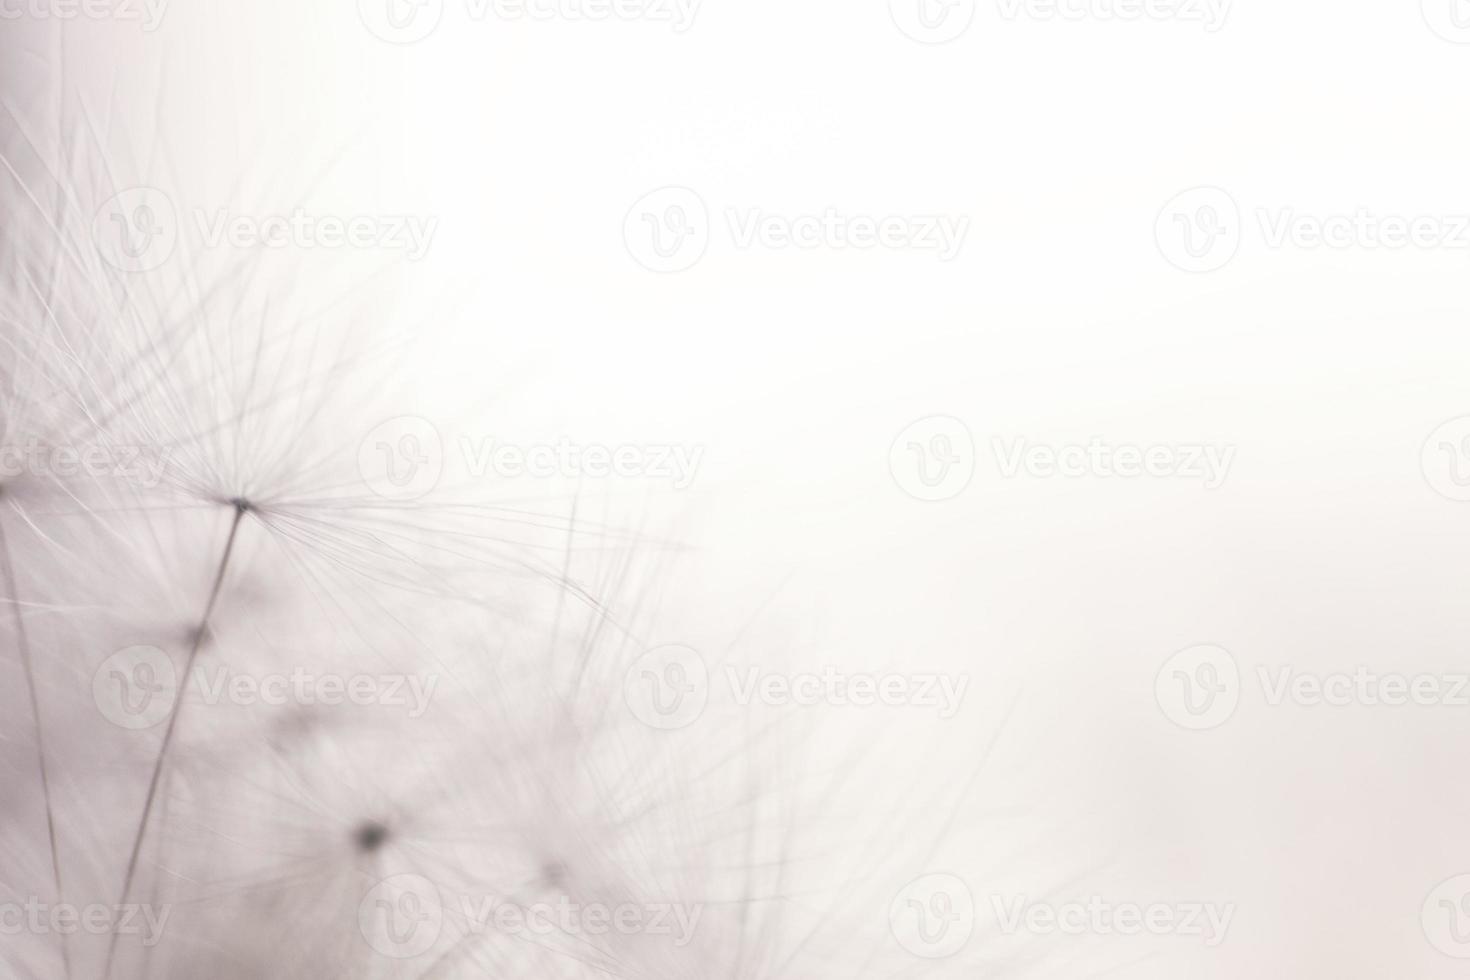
column 370, row 836
column 554, row 873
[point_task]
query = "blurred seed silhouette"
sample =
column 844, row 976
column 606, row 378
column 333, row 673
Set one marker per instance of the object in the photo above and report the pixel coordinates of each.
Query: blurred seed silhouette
column 370, row 836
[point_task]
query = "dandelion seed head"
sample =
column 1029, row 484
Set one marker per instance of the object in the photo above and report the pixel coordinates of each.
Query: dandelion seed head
column 525, row 776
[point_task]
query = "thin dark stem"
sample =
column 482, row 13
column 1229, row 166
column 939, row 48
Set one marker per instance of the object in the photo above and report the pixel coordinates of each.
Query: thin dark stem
column 173, row 720
column 22, row 640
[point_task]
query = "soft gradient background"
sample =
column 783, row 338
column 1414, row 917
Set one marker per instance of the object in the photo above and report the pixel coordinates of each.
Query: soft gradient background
column 1060, row 320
